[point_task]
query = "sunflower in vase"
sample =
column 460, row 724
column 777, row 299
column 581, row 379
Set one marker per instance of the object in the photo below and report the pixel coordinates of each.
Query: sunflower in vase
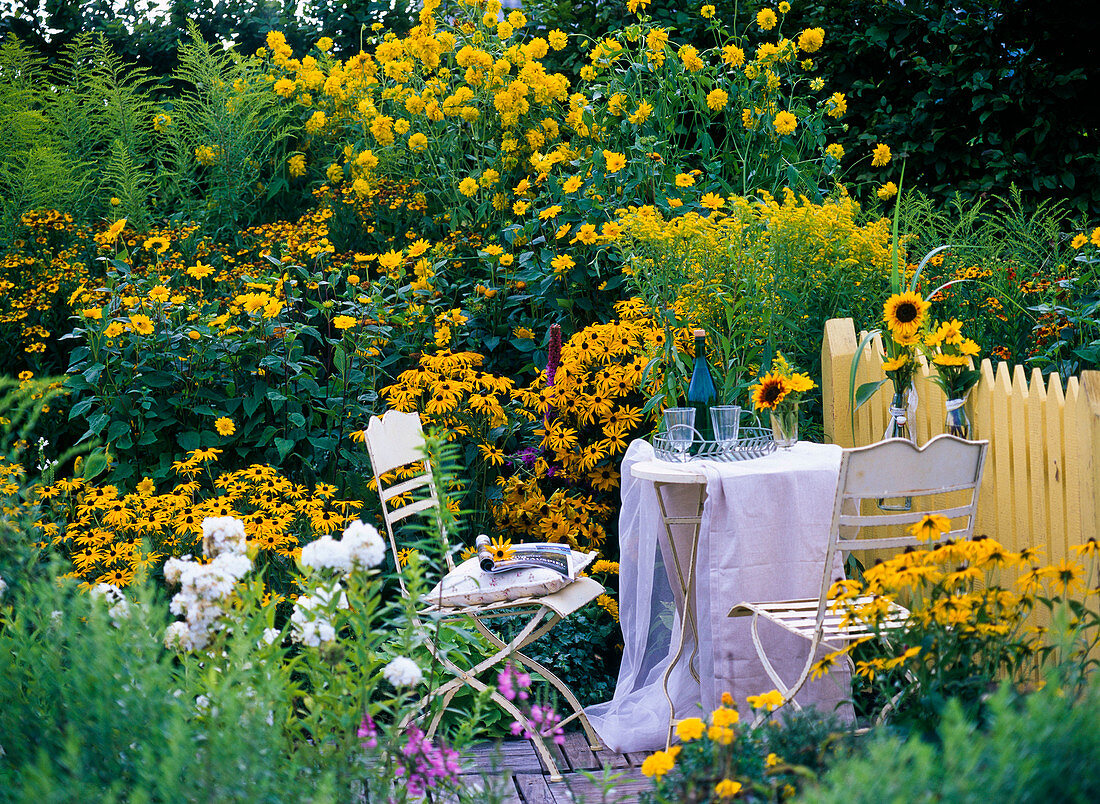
column 779, row 392
column 950, row 354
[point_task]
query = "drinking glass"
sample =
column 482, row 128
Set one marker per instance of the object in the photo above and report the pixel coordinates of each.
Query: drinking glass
column 726, row 421
column 680, row 428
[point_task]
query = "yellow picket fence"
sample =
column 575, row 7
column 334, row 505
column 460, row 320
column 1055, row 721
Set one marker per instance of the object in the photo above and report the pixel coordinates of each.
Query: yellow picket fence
column 1041, row 486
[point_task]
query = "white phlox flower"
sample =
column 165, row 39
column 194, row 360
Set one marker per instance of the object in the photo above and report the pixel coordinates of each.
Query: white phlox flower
column 364, row 545
column 223, row 534
column 402, row 672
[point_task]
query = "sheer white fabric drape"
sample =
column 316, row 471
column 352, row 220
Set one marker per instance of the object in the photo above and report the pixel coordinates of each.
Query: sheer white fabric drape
column 763, row 537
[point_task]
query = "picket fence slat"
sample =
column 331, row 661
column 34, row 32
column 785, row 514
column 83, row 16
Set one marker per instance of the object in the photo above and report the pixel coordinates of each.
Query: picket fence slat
column 1041, row 487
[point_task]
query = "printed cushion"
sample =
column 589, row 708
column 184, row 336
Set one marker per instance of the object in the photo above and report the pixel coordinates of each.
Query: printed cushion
column 469, row 585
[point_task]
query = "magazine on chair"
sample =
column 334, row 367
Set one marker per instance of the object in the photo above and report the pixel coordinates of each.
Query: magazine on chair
column 558, row 557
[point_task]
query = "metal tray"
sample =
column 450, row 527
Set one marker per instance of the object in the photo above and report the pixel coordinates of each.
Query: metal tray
column 754, row 442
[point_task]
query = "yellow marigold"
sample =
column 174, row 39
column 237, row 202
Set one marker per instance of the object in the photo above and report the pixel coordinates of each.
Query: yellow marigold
column 284, row 87
column 689, row 57
column 835, row 150
column 418, row 142
column 887, row 191
column 641, row 114
column 658, row 764
column 296, row 165
column 1095, row 239
column 1080, row 241
column 766, row 19
column 767, row 701
column 811, row 39
column 561, row 263
column 343, row 322
column 316, row 122
column 324, row 44
column 717, row 100
column 141, row 324
column 733, row 56
column 690, row 728
column 225, row 426
column 727, row 788
column 615, row 161
column 895, row 363
column 572, row 184
column 707, row 12
column 684, row 180
column 468, row 186
column 724, row 716
column 837, row 105
column 881, row 155
column 712, row 201
column 558, row 39
column 785, row 123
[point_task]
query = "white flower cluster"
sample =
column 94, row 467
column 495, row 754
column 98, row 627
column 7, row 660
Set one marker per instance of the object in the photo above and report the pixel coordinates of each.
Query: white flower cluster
column 403, row 672
column 205, row 588
column 309, row 622
column 119, row 605
column 360, row 548
column 3, row 588
column 222, row 534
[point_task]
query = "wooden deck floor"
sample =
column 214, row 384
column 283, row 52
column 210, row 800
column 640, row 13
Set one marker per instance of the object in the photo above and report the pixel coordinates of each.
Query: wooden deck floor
column 514, row 768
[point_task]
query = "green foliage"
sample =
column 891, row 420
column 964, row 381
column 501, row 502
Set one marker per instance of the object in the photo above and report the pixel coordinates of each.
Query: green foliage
column 224, row 139
column 1043, row 748
column 96, row 708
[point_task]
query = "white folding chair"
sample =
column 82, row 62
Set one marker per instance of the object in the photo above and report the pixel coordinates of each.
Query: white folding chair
column 396, row 440
column 938, row 474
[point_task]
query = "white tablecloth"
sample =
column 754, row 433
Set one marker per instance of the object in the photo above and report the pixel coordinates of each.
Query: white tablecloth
column 763, row 537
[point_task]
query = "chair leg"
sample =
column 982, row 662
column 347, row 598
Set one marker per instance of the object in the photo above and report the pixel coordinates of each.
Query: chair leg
column 788, row 692
column 578, row 710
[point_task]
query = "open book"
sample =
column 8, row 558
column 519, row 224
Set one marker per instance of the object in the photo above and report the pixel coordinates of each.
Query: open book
column 558, row 557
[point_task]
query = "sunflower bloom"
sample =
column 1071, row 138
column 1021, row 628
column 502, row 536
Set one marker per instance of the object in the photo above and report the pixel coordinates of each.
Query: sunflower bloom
column 904, row 314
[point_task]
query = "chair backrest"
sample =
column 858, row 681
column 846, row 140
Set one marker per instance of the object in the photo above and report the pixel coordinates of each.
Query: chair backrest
column 945, row 475
column 396, row 441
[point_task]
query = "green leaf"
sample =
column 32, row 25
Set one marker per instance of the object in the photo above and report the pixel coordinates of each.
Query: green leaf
column 284, row 446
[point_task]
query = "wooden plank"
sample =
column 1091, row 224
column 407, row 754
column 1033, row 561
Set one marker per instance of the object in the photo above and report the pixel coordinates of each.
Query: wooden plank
column 610, row 759
column 1075, row 479
column 1055, row 466
column 514, row 755
column 502, row 786
column 982, row 399
column 1090, row 500
column 626, row 788
column 838, row 349
column 577, row 752
column 1021, row 493
column 1002, row 435
column 534, row 789
column 1038, row 524
column 636, row 758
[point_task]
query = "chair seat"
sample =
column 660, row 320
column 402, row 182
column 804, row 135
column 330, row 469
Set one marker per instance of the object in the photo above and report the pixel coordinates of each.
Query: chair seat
column 563, row 602
column 800, row 617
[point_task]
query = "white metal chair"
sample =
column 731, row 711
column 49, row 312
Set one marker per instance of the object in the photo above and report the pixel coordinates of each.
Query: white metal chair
column 396, row 440
column 938, row 474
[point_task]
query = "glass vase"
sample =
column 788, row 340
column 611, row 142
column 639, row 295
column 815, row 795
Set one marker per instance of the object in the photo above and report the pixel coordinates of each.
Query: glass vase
column 957, row 422
column 785, row 425
column 899, row 426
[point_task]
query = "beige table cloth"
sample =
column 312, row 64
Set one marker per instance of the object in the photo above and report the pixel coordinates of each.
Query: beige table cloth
column 763, row 536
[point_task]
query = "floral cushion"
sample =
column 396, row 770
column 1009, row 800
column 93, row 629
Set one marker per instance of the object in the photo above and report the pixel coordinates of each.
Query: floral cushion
column 469, row 585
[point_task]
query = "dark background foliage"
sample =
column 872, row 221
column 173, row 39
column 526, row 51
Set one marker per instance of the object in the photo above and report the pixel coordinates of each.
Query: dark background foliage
column 152, row 40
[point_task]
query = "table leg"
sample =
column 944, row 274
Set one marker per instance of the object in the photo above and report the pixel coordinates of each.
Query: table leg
column 686, row 582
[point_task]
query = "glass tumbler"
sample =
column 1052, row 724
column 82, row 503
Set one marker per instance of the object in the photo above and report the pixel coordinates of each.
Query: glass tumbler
column 680, row 428
column 726, row 421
